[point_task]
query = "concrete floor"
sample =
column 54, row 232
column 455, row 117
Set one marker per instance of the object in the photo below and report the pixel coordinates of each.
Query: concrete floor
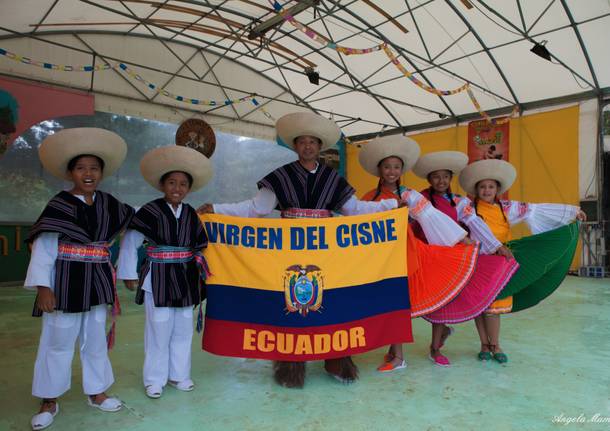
column 559, row 370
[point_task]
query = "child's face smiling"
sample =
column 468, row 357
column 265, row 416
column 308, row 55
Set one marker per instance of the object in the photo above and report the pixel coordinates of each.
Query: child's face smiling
column 440, row 180
column 175, row 187
column 487, row 190
column 86, row 175
column 390, row 170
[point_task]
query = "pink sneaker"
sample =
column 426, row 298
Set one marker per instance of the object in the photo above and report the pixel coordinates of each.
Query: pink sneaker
column 440, row 360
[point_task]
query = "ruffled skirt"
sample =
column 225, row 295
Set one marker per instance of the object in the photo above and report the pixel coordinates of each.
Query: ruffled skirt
column 437, row 274
column 544, row 260
column 491, row 275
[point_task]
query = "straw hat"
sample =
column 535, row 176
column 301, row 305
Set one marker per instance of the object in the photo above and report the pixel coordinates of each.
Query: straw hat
column 159, row 161
column 406, row 149
column 297, row 124
column 491, row 169
column 453, row 161
column 58, row 149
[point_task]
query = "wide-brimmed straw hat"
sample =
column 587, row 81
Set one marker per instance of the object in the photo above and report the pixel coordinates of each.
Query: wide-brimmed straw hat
column 57, row 150
column 406, row 149
column 291, row 126
column 453, row 161
column 499, row 170
column 160, row 161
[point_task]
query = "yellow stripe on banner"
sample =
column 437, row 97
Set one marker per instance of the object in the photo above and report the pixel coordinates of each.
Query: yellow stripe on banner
column 349, row 251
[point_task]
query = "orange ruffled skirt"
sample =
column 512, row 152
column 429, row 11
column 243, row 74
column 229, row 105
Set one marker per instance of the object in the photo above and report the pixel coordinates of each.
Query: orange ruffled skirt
column 437, row 274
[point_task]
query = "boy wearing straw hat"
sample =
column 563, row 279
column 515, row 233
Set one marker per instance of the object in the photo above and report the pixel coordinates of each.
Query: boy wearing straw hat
column 171, row 276
column 71, row 269
column 305, row 188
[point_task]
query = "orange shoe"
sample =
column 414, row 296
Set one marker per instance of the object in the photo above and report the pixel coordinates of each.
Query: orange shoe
column 388, row 367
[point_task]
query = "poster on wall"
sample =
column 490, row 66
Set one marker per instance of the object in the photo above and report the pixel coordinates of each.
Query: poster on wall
column 489, row 141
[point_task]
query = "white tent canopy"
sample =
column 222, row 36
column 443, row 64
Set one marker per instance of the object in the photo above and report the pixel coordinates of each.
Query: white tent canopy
column 199, row 49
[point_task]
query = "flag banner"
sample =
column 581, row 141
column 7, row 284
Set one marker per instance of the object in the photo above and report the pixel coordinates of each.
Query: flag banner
column 306, row 289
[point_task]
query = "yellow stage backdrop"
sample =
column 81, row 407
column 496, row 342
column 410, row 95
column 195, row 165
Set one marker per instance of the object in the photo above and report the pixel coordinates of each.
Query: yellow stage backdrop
column 543, row 149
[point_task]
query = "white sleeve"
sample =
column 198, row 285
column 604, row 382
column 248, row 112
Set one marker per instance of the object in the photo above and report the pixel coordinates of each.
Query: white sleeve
column 479, row 231
column 354, row 206
column 261, row 205
column 41, row 270
column 544, row 217
column 438, row 227
column 127, row 265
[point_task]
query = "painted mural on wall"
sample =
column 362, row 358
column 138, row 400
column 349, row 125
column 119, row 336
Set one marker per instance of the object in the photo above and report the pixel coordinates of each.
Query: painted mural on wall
column 24, row 122
column 9, row 115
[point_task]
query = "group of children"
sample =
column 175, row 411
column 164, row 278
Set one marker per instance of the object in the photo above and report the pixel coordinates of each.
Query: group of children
column 495, row 287
column 71, row 268
column 72, row 272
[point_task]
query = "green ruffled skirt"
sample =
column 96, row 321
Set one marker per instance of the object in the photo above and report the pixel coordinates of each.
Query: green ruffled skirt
column 544, row 261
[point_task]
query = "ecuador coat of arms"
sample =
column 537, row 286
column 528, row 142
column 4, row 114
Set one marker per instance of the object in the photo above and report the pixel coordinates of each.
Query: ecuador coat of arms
column 303, row 286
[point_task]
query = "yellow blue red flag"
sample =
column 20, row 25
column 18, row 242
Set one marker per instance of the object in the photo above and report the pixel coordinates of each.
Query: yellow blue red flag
column 306, row 289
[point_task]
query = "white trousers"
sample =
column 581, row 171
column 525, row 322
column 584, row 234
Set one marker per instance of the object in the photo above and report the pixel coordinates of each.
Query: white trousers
column 53, row 367
column 168, row 335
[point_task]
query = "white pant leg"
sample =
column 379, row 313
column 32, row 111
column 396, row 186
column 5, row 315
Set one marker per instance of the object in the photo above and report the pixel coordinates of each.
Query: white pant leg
column 180, row 345
column 157, row 334
column 97, row 371
column 53, row 366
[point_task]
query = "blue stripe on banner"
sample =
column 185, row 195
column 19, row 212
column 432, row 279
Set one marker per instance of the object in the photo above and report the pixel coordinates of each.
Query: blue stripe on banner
column 340, row 305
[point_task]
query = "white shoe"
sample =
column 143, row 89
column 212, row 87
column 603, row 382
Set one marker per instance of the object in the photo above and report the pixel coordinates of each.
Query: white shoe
column 341, row 379
column 154, row 391
column 109, row 404
column 43, row 420
column 185, row 385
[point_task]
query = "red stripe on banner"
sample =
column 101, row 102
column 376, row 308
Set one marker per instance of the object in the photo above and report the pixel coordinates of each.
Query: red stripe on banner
column 245, row 340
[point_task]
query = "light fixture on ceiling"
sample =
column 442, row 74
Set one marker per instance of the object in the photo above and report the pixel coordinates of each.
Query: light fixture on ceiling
column 314, row 77
column 540, row 50
column 278, row 19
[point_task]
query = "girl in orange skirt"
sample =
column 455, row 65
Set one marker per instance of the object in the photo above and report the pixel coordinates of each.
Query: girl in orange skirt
column 389, row 158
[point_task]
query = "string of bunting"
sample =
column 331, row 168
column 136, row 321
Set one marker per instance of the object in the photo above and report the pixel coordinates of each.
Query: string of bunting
column 318, row 37
column 393, row 59
column 51, row 66
column 179, row 98
column 122, row 66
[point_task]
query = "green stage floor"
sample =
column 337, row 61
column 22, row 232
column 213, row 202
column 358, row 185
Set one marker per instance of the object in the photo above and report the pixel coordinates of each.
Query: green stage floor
column 558, row 370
